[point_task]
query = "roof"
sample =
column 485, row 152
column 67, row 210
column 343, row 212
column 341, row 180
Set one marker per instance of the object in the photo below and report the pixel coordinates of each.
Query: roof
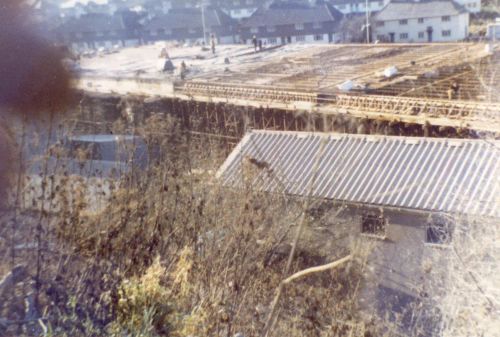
column 292, row 15
column 90, row 23
column 189, row 18
column 104, row 138
column 241, row 4
column 344, row 2
column 397, row 10
column 431, row 174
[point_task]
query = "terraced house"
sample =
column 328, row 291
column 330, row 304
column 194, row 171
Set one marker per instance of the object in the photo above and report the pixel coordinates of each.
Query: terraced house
column 290, row 23
column 421, row 21
column 92, row 31
column 187, row 25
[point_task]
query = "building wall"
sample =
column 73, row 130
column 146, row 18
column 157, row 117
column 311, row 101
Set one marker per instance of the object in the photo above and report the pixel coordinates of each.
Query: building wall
column 473, row 6
column 417, row 31
column 402, row 268
column 284, row 34
column 81, row 46
column 360, row 7
column 189, row 36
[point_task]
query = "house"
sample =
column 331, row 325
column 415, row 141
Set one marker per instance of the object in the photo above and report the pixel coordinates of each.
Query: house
column 404, row 196
column 92, row 31
column 290, row 23
column 421, row 21
column 239, row 9
column 187, row 25
column 358, row 6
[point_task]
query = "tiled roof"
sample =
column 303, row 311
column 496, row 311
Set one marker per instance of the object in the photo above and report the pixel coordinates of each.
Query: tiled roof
column 91, row 23
column 190, row 18
column 397, row 9
column 292, row 15
column 431, row 174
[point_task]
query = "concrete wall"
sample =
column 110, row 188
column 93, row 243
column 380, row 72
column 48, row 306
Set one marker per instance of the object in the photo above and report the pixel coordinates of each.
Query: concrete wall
column 402, row 268
column 417, row 31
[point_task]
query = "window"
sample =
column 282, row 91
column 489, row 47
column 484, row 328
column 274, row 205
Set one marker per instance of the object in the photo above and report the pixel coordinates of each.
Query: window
column 79, row 35
column 380, row 23
column 445, row 18
column 403, row 22
column 403, row 36
column 373, row 224
column 438, row 233
column 300, row 38
column 153, row 32
column 272, row 41
column 421, row 35
column 318, row 37
column 380, row 37
column 446, row 33
column 420, row 20
column 113, row 33
column 161, row 31
column 317, row 25
column 100, row 34
column 299, row 26
column 271, row 28
column 192, row 31
column 254, row 29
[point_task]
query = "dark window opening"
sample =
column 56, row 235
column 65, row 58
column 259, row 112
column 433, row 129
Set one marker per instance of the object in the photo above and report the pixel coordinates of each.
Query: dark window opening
column 373, row 224
column 438, row 233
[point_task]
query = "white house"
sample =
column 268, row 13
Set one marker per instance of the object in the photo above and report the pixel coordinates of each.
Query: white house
column 421, row 21
column 358, row 6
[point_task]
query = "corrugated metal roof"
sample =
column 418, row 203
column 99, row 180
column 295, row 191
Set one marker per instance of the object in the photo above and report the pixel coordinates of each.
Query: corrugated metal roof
column 443, row 175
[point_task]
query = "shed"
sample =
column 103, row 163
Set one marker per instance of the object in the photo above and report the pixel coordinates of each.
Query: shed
column 403, row 193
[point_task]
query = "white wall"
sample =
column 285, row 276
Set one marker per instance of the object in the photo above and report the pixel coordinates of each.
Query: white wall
column 242, row 13
column 373, row 6
column 458, row 25
column 270, row 41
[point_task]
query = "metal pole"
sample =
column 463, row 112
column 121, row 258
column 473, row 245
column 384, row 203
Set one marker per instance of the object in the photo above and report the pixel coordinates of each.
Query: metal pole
column 367, row 25
column 203, row 21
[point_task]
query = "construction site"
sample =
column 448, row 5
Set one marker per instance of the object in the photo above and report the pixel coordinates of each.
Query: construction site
column 392, row 89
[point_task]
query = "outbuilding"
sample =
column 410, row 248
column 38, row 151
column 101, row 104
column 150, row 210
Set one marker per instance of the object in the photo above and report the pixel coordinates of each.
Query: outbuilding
column 404, row 195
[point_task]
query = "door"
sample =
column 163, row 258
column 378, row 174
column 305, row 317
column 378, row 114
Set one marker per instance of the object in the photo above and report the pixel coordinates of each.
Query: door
column 391, row 37
column 429, row 34
column 289, row 39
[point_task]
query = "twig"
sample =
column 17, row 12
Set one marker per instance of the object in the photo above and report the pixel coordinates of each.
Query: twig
column 270, row 320
column 317, row 269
